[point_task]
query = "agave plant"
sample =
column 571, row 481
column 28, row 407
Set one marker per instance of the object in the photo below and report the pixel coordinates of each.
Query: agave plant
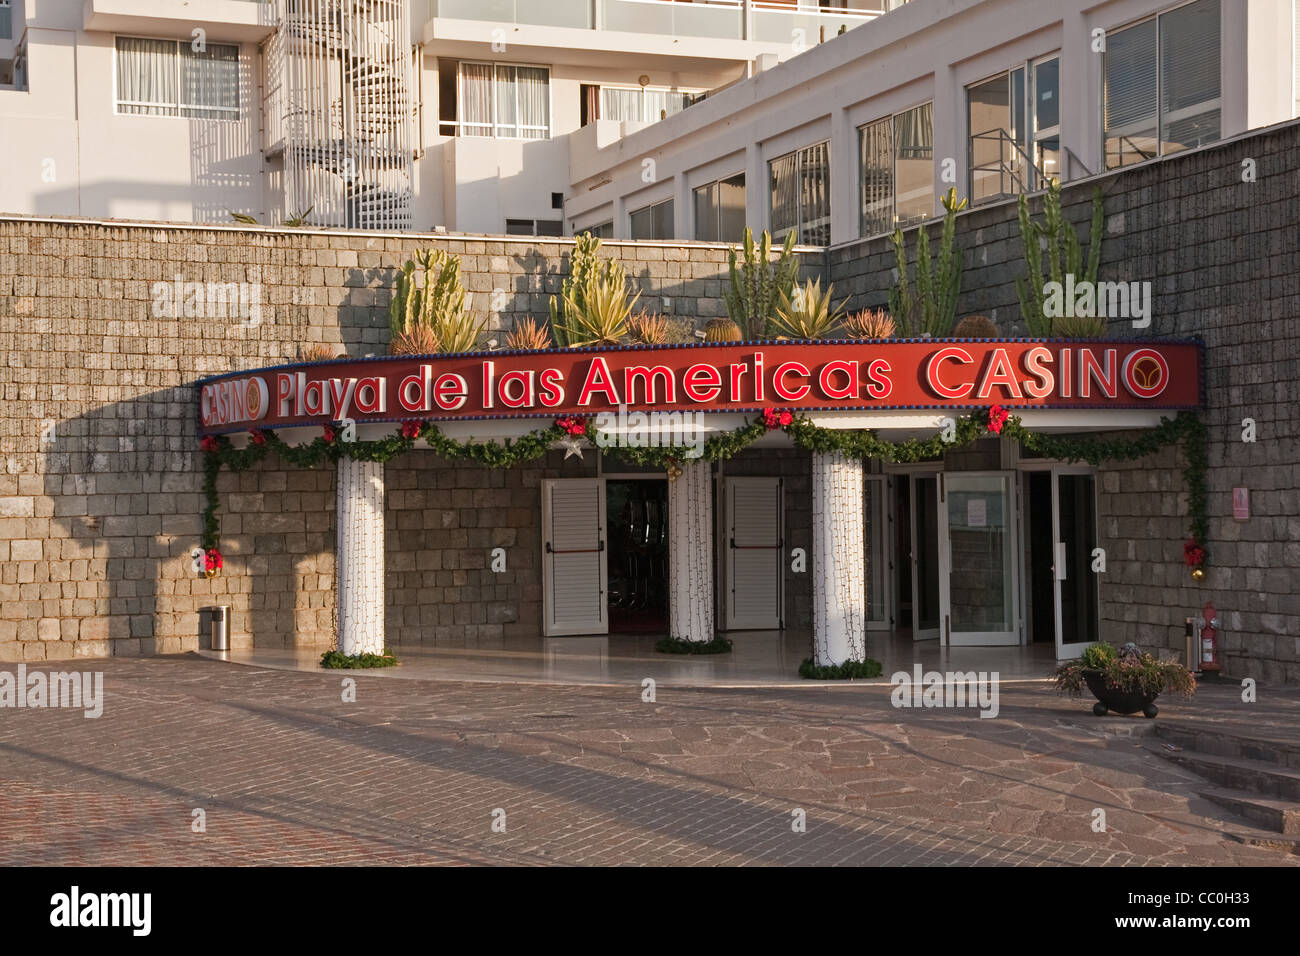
column 871, row 324
column 316, row 352
column 429, row 294
column 651, row 328
column 597, row 311
column 1079, row 327
column 809, row 313
column 418, row 340
column 527, row 335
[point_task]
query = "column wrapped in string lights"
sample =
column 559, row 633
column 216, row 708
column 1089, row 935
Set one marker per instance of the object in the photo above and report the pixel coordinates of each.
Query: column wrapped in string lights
column 360, row 490
column 690, row 553
column 838, row 565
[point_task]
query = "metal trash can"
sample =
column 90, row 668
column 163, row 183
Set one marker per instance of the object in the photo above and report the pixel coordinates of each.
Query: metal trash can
column 221, row 627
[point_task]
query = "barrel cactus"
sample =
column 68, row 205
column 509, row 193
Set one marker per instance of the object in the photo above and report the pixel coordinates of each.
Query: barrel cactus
column 721, row 330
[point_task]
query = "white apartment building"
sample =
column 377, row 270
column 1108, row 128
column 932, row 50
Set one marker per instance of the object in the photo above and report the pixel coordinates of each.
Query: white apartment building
column 641, row 119
column 408, row 114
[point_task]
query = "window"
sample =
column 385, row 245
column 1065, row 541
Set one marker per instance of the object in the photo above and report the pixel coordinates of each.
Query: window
column 504, row 101
column 653, row 222
column 646, row 105
column 720, row 210
column 896, row 169
column 604, row 230
column 534, row 227
column 6, row 21
column 1162, row 85
column 800, row 194
column 1014, row 129
column 168, row 78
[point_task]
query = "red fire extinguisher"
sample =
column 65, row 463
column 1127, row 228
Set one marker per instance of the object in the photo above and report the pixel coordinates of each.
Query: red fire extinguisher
column 1210, row 640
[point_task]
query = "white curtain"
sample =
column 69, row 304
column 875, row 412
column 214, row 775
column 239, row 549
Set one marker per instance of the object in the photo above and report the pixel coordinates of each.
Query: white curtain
column 534, row 102
column 210, row 82
column 476, row 99
column 146, row 76
column 507, row 122
column 618, row 104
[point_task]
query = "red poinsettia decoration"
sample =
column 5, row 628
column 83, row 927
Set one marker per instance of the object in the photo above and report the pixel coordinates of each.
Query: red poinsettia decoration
column 572, row 424
column 997, row 418
column 1193, row 553
column 775, row 418
column 208, row 443
column 258, row 436
column 411, row 429
column 212, row 561
column 329, row 434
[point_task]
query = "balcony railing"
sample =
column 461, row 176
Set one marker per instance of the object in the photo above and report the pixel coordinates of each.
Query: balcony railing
column 769, row 21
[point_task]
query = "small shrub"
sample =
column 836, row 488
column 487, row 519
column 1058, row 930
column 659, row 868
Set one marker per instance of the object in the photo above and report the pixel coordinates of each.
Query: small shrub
column 335, row 660
column 871, row 324
column 418, row 340
column 651, row 328
column 675, row 645
column 527, row 336
column 316, row 352
column 849, row 670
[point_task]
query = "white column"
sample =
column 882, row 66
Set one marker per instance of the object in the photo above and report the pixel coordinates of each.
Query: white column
column 690, row 553
column 360, row 559
column 838, row 565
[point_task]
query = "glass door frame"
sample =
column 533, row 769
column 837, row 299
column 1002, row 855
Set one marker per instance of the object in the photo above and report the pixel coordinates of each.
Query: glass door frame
column 910, row 473
column 1065, row 651
column 1014, row 634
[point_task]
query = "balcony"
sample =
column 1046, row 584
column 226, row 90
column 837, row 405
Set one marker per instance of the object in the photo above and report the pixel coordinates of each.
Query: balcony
column 240, row 21
column 762, row 21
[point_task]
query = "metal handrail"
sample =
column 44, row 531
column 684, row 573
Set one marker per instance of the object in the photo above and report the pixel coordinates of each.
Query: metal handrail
column 1004, row 166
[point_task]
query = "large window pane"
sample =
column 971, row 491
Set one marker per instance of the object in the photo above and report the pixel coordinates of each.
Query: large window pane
column 147, row 77
column 653, row 222
column 476, row 99
column 706, row 213
column 989, row 121
column 504, row 97
column 1189, row 76
column 616, row 104
column 731, row 209
column 876, row 177
column 914, row 162
column 1130, row 95
column 815, row 195
column 210, row 82
column 784, row 194
column 534, row 90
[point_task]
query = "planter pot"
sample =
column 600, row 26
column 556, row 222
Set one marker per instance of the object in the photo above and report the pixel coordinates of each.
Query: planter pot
column 1119, row 701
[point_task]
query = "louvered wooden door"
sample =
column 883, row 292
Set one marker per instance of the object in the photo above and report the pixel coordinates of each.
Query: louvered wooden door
column 573, row 557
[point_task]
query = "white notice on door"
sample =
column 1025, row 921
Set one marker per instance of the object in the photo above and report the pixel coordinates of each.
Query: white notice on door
column 977, row 513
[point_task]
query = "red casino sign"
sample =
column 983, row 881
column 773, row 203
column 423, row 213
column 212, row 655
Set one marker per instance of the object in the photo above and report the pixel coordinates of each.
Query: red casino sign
column 810, row 376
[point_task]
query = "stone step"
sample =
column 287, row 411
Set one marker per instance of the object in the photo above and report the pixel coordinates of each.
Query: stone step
column 1280, row 816
column 1230, row 743
column 1237, row 773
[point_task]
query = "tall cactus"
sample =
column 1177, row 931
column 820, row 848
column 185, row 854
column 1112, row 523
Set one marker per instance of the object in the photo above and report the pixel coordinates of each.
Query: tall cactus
column 932, row 307
column 584, row 268
column 757, row 283
column 429, row 295
column 1056, row 237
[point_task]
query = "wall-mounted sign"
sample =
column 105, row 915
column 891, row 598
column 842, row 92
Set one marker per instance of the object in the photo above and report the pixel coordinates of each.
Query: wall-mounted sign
column 742, row 377
column 1241, row 503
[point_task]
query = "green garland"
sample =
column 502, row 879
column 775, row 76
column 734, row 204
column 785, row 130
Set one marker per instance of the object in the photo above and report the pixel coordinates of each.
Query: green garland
column 1186, row 428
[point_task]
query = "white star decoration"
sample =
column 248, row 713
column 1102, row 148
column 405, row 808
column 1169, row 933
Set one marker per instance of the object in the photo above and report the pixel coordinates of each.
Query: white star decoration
column 572, row 446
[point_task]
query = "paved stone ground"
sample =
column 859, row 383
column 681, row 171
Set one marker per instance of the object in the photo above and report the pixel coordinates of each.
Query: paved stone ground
column 410, row 773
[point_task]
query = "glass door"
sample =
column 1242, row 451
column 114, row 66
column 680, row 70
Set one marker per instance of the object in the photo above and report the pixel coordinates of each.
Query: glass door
column 978, row 590
column 1074, row 537
column 925, row 557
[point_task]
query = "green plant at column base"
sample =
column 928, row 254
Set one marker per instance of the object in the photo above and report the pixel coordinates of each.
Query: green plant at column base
column 1056, row 238
column 336, row 660
column 675, row 645
column 931, row 307
column 757, row 283
column 849, row 670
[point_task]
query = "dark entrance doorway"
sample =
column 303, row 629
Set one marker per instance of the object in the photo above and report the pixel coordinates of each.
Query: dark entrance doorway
column 1042, row 607
column 637, row 513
